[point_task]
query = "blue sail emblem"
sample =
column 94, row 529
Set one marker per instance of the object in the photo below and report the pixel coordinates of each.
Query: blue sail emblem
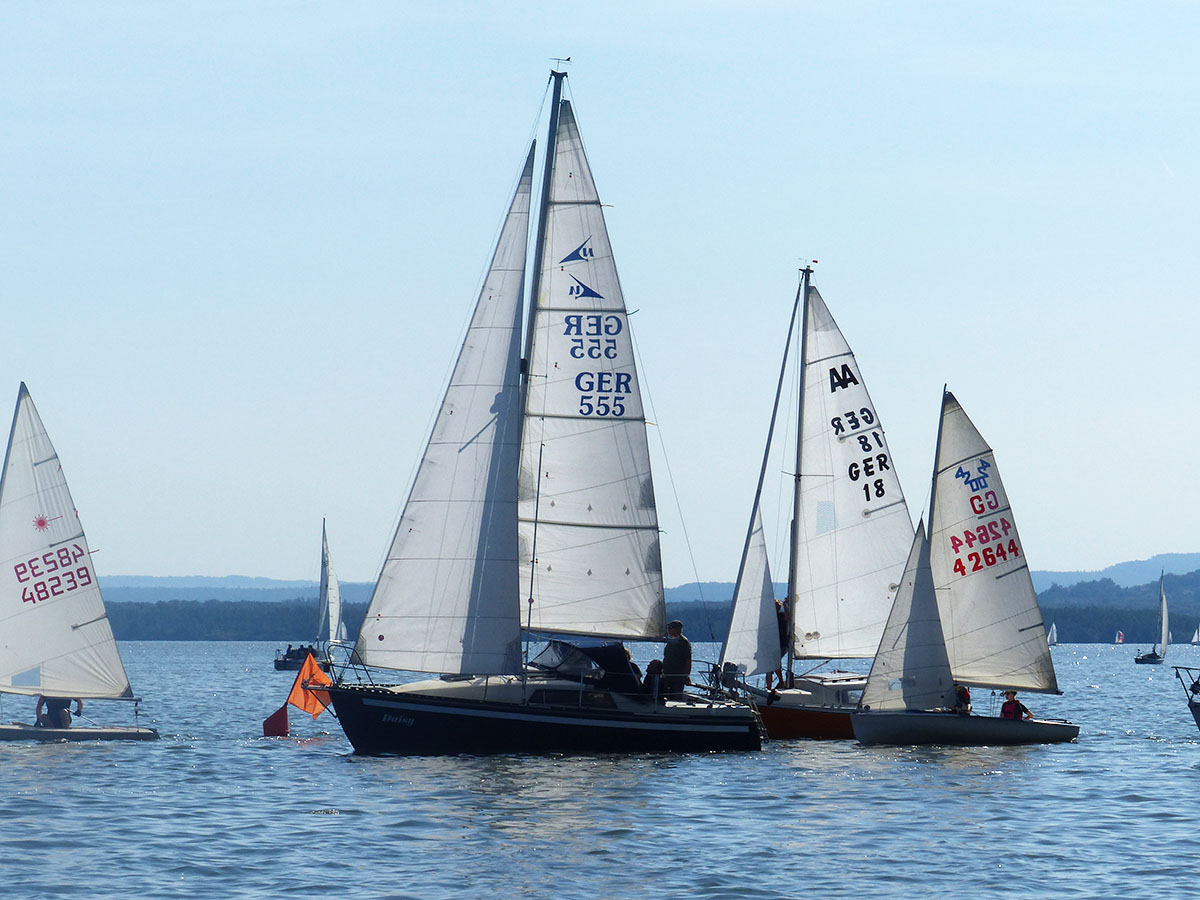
column 579, row 290
column 582, row 253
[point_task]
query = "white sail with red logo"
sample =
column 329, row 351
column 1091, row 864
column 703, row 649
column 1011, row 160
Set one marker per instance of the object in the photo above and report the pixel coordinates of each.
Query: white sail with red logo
column 995, row 635
column 55, row 637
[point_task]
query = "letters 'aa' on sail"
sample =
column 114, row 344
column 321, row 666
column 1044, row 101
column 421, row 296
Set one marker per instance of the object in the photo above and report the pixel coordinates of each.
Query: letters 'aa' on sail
column 995, row 636
column 55, row 638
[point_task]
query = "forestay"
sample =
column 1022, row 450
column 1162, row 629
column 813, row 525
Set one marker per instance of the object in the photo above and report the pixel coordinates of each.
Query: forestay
column 55, row 637
column 446, row 598
column 854, row 530
column 911, row 669
column 995, row 636
column 588, row 524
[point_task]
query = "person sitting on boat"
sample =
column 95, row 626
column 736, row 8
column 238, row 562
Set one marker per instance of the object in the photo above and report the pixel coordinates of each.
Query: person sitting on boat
column 58, row 712
column 962, row 700
column 1014, row 708
column 652, row 684
column 677, row 660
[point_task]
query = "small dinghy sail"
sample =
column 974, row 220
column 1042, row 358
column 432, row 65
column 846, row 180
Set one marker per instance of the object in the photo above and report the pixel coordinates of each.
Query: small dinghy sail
column 1052, row 636
column 330, row 629
column 1159, row 652
column 532, row 512
column 55, row 639
column 848, row 545
column 1195, row 637
column 990, row 625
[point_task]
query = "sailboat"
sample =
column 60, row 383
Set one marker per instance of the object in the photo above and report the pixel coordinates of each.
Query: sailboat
column 848, row 544
column 1195, row 637
column 966, row 613
column 55, row 639
column 532, row 516
column 1119, row 637
column 329, row 621
column 1159, row 652
column 1052, row 637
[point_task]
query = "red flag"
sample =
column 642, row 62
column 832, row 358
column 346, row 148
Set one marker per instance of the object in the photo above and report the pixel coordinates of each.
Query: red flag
column 313, row 702
column 276, row 724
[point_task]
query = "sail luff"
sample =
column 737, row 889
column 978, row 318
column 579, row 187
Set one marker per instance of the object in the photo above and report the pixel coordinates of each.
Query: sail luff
column 586, row 492
column 55, row 638
column 446, row 598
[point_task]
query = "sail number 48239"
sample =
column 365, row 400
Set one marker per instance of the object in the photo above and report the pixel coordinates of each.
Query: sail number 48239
column 54, row 573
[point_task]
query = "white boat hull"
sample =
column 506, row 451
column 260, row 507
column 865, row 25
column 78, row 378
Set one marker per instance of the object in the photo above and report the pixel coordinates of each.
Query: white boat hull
column 18, row 731
column 905, row 727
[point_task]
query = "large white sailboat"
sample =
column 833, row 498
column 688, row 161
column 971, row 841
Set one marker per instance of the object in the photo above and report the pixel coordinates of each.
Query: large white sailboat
column 1159, row 652
column 966, row 613
column 55, row 639
column 532, row 512
column 849, row 540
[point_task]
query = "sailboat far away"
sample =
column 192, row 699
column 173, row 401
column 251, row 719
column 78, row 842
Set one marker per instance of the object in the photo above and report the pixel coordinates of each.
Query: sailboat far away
column 1159, row 651
column 532, row 514
column 966, row 613
column 55, row 638
column 330, row 629
column 848, row 544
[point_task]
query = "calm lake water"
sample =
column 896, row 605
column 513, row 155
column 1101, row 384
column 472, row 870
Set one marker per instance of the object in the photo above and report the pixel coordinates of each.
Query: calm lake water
column 214, row 810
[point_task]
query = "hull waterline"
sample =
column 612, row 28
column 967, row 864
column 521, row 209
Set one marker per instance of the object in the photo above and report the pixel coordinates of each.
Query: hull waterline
column 906, row 727
column 390, row 720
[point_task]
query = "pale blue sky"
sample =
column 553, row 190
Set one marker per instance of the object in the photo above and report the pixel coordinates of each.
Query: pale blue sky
column 238, row 243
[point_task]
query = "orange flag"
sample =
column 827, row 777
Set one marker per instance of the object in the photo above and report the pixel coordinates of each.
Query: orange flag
column 313, row 702
column 276, row 724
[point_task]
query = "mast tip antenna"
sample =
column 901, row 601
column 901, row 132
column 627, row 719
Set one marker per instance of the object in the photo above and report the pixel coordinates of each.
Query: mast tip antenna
column 561, row 60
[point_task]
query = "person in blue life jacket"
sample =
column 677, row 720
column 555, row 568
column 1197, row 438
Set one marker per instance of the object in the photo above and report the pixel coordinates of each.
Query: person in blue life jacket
column 1014, row 708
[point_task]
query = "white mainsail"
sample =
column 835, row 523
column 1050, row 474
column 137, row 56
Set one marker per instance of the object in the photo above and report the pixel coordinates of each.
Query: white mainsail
column 446, row 599
column 329, row 621
column 589, row 543
column 995, row 636
column 911, row 669
column 55, row 637
column 1164, row 629
column 1052, row 637
column 854, row 530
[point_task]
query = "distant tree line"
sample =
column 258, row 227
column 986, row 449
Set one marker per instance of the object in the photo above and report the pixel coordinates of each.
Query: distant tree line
column 224, row 620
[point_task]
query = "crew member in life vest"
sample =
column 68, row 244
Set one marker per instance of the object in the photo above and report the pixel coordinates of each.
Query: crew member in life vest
column 962, row 700
column 1014, row 708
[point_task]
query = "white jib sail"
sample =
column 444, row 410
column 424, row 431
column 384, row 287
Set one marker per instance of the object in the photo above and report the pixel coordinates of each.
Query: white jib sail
column 1164, row 628
column 329, row 622
column 589, row 527
column 994, row 631
column 55, row 638
column 446, row 599
column 911, row 669
column 854, row 531
column 753, row 643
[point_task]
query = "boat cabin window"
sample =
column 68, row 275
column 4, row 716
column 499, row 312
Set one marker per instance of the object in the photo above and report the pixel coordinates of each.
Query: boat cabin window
column 591, row 699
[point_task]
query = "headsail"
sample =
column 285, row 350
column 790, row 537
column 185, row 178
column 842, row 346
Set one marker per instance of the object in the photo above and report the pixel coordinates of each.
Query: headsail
column 854, row 529
column 329, row 621
column 55, row 638
column 752, row 644
column 446, row 599
column 588, row 524
column 995, row 636
column 911, row 669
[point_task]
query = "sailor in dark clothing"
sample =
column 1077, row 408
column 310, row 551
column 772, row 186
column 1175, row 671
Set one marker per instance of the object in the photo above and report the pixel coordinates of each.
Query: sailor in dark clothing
column 57, row 714
column 652, row 684
column 1014, row 708
column 677, row 660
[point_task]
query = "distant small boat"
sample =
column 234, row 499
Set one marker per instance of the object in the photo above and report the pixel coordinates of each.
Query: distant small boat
column 1159, row 652
column 1052, row 637
column 329, row 621
column 1120, row 638
column 1196, row 637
